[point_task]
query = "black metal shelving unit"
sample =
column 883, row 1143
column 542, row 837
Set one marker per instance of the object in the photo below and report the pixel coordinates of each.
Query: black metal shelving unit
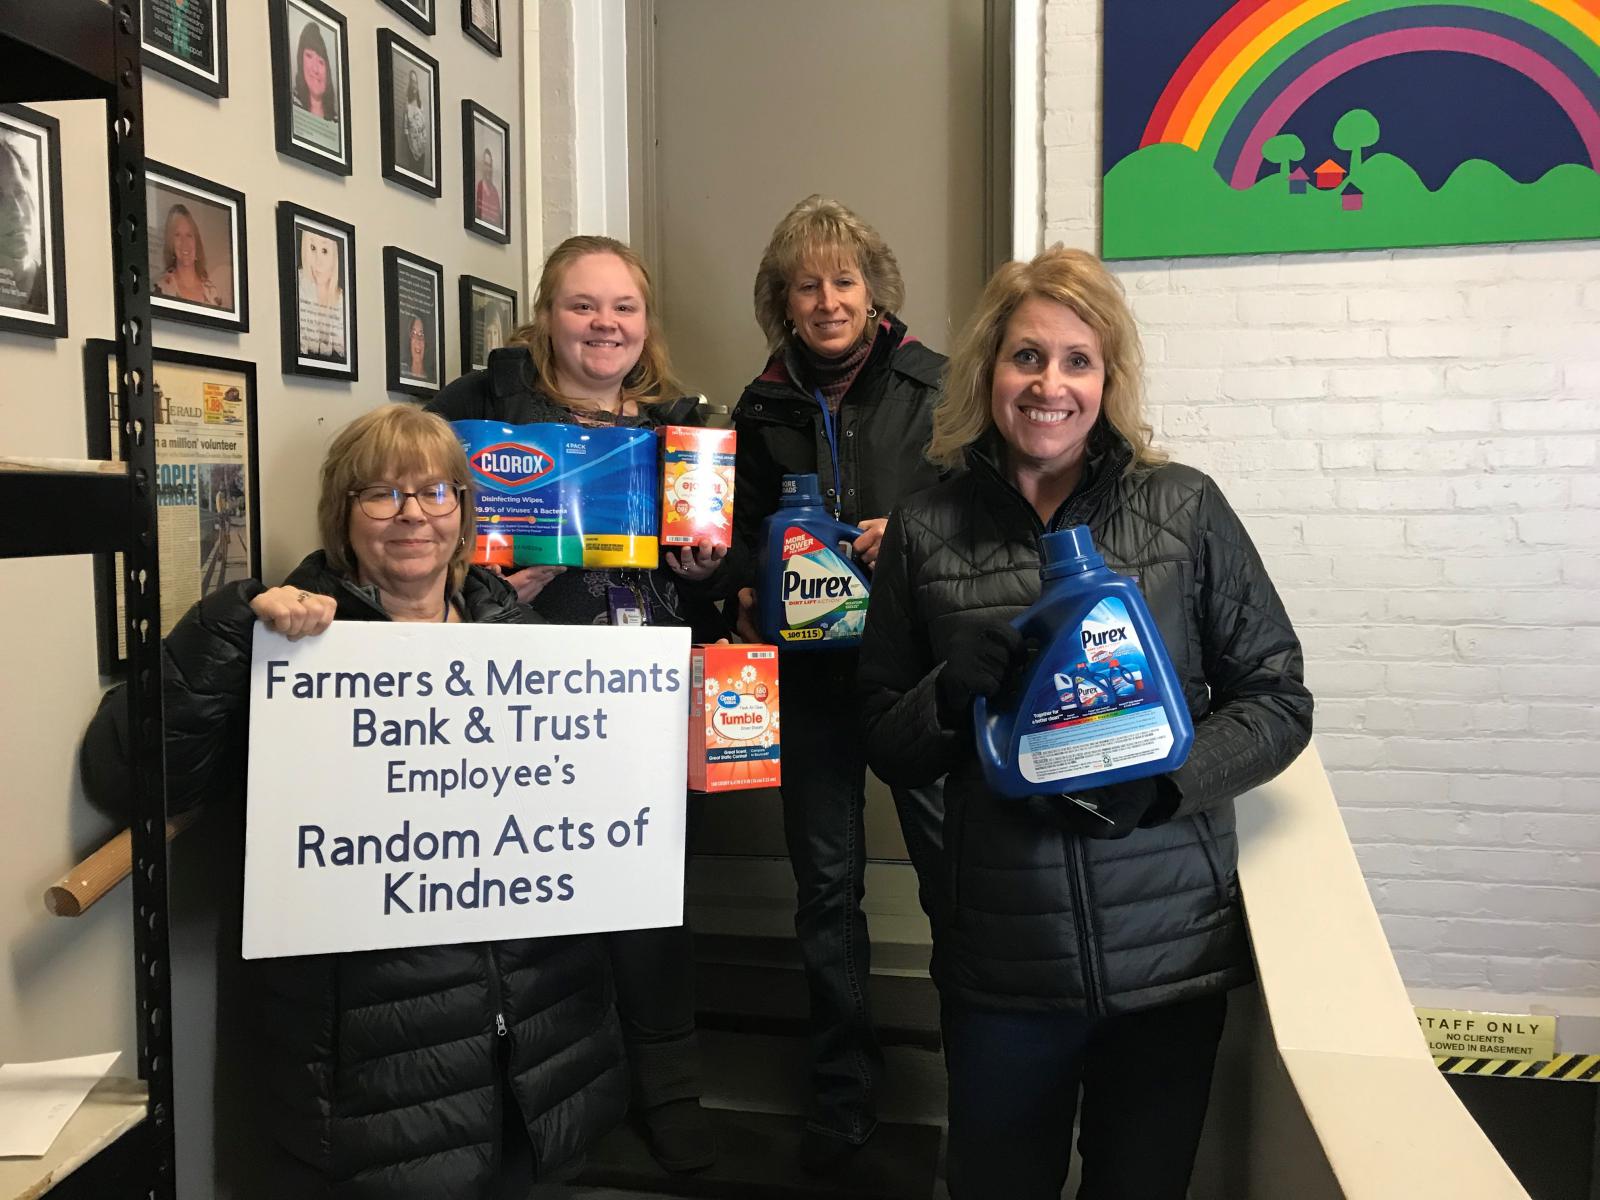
column 89, row 50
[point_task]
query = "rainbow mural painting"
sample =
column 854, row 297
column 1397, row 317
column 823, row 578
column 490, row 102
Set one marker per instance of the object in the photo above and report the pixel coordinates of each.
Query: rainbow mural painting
column 1283, row 125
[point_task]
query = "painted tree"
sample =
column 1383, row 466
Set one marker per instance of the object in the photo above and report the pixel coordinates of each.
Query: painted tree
column 1355, row 131
column 1283, row 151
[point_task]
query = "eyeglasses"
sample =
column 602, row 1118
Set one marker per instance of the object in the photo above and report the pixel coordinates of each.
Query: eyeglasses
column 385, row 502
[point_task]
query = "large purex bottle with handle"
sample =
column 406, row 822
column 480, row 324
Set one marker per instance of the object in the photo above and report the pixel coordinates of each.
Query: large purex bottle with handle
column 1101, row 703
column 813, row 596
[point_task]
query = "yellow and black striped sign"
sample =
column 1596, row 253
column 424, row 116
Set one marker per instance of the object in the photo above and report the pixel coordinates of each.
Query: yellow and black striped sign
column 1573, row 1068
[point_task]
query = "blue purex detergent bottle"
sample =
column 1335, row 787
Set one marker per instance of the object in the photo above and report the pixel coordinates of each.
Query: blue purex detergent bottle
column 1101, row 703
column 813, row 597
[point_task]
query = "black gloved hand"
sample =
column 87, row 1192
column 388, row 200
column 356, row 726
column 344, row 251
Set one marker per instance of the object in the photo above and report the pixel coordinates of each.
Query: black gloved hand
column 1122, row 807
column 979, row 662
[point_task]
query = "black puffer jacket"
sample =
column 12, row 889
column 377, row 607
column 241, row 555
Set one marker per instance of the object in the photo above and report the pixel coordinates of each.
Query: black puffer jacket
column 380, row 1074
column 883, row 427
column 1044, row 919
column 508, row 390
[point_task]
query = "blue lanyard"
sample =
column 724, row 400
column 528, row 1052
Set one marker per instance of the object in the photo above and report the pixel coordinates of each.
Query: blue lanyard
column 833, row 451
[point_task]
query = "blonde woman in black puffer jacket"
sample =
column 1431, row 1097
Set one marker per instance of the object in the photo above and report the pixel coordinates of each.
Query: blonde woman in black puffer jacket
column 1077, row 951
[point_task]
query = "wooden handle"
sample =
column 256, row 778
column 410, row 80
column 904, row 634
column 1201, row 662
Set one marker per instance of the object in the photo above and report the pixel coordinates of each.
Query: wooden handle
column 90, row 880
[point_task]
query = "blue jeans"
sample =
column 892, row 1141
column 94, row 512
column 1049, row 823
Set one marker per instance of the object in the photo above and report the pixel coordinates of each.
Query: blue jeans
column 1014, row 1080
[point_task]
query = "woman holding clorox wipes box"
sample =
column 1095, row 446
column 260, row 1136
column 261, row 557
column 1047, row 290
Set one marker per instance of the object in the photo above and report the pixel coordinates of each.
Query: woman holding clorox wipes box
column 594, row 356
column 1094, row 930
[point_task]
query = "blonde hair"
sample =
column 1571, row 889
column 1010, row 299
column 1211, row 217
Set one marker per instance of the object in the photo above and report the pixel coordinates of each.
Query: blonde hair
column 819, row 230
column 1079, row 281
column 380, row 444
column 170, row 256
column 651, row 380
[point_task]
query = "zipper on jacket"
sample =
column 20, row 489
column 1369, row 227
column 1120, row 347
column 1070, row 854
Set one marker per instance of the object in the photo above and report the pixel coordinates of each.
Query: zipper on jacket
column 499, row 1055
column 495, row 998
column 1088, row 943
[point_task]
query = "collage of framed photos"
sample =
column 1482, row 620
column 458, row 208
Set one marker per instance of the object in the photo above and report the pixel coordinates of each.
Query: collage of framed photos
column 199, row 254
column 198, row 246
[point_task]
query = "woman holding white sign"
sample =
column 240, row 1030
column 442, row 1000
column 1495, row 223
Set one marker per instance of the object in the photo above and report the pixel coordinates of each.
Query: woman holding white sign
column 452, row 1070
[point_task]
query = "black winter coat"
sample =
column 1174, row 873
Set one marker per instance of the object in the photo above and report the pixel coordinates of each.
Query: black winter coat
column 1044, row 919
column 508, row 390
column 883, row 427
column 379, row 1073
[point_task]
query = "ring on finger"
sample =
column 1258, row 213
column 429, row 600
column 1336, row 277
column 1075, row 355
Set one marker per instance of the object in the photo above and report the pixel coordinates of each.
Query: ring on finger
column 303, row 597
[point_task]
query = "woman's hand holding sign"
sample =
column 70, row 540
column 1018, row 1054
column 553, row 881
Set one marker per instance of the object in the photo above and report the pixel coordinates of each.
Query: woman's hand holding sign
column 293, row 612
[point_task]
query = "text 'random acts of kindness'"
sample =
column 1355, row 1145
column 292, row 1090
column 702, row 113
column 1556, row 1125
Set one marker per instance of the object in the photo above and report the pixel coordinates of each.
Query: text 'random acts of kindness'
column 414, row 784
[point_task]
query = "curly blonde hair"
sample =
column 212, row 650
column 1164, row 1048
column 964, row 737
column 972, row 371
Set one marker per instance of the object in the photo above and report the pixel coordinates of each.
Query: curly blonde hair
column 1079, row 281
column 651, row 381
column 819, row 230
column 379, row 445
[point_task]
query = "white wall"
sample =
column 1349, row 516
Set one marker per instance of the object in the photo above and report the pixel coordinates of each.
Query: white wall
column 1411, row 438
column 584, row 92
column 66, row 986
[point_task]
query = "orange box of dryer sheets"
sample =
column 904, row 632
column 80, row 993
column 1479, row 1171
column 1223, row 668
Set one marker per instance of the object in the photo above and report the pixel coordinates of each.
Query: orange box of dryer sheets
column 696, row 485
column 733, row 718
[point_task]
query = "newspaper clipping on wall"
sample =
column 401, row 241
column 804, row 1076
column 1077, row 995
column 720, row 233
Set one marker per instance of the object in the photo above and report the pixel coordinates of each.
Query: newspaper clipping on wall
column 205, row 489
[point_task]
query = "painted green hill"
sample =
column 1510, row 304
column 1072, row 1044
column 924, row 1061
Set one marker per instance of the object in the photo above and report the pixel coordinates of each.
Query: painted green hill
column 1167, row 201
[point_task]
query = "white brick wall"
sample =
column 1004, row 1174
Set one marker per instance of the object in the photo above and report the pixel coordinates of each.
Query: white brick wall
column 1411, row 437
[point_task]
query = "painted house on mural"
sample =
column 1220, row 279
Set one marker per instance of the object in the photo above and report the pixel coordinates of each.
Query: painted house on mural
column 1351, row 198
column 1297, row 181
column 1329, row 175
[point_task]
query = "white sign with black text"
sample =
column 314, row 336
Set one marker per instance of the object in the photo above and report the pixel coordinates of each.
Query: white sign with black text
column 414, row 784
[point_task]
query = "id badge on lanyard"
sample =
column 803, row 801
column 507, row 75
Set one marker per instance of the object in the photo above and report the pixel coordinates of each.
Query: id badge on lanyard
column 627, row 605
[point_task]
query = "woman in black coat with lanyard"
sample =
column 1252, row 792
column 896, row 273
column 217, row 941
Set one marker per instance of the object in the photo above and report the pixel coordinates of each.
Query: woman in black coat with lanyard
column 847, row 394
column 594, row 354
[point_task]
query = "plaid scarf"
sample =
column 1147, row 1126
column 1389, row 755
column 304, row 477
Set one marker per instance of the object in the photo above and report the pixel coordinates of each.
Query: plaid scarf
column 833, row 376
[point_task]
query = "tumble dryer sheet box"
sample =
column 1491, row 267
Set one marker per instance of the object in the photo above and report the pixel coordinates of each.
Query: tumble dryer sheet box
column 565, row 495
column 733, row 718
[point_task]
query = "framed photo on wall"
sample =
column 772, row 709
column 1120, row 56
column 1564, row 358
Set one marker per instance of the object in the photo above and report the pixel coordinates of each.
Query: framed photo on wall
column 408, row 108
column 187, row 40
column 486, row 172
column 480, row 21
column 198, row 253
column 488, row 319
column 207, row 482
column 418, row 12
column 413, row 306
column 316, row 293
column 33, row 274
column 311, row 83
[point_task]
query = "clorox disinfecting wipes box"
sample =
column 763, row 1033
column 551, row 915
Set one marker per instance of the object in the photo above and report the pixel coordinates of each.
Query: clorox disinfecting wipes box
column 564, row 494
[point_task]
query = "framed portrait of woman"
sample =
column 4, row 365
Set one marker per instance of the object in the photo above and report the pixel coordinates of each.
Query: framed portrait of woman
column 316, row 293
column 33, row 274
column 207, row 481
column 486, row 172
column 198, row 255
column 408, row 108
column 187, row 40
column 480, row 21
column 418, row 12
column 413, row 307
column 311, row 83
column 488, row 319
